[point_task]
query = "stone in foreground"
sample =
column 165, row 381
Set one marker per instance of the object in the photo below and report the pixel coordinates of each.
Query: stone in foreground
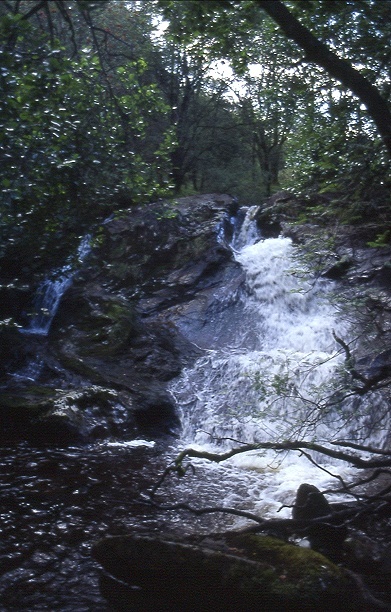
column 234, row 571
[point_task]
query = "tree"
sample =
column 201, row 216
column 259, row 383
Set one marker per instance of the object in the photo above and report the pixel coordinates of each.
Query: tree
column 50, row 16
column 270, row 105
column 319, row 53
column 181, row 81
column 222, row 20
column 75, row 129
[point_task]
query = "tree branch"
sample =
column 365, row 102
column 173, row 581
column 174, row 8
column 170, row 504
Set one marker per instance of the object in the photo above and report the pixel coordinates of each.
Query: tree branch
column 288, row 445
column 349, row 513
column 34, row 9
column 319, row 53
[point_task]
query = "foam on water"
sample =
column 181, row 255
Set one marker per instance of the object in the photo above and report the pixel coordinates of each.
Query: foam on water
column 273, row 388
column 131, row 444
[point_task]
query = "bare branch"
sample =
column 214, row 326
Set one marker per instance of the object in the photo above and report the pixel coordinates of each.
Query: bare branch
column 179, row 470
column 287, row 445
column 323, row 469
column 351, row 513
column 34, row 9
column 210, row 510
column 361, row 447
column 349, row 360
column 69, row 21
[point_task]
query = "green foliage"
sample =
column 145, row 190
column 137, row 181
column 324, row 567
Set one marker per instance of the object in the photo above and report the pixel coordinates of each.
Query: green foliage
column 99, row 113
column 72, row 137
column 382, row 240
column 306, row 128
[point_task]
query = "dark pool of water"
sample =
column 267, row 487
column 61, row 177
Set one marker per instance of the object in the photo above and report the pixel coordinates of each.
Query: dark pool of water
column 56, row 502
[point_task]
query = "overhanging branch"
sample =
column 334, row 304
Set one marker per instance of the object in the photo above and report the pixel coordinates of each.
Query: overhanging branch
column 295, row 445
column 319, row 53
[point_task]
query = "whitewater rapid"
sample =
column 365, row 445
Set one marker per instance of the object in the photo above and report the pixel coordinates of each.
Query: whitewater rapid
column 271, row 382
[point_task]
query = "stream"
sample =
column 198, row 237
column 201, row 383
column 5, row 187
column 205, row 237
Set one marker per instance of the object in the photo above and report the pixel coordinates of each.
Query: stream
column 266, row 381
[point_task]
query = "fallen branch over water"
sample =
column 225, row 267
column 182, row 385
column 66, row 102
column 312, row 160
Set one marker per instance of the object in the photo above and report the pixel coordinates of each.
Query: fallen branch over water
column 377, row 502
column 383, row 460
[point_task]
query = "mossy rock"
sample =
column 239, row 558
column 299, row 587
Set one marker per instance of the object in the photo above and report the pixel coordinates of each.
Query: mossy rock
column 234, row 572
column 297, row 573
column 31, row 401
column 112, row 328
column 69, row 418
column 92, row 322
column 53, row 416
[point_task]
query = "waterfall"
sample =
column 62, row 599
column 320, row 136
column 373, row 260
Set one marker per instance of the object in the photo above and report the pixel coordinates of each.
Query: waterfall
column 46, row 303
column 246, row 229
column 50, row 292
column 272, row 381
column 264, row 383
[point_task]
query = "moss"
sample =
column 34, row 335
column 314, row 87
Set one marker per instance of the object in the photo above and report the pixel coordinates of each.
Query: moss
column 291, row 571
column 231, row 572
column 122, row 270
column 107, row 329
column 31, row 401
column 75, row 364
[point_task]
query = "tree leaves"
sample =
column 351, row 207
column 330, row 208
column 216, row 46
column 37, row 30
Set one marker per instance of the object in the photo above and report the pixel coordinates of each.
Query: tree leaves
column 71, row 134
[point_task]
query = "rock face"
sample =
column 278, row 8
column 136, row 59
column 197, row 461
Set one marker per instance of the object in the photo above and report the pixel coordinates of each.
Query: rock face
column 233, row 571
column 147, row 300
column 139, row 309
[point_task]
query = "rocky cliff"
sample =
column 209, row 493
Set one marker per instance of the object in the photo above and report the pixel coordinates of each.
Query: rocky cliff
column 138, row 310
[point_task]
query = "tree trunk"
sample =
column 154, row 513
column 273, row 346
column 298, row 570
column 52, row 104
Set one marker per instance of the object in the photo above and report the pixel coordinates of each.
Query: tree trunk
column 319, row 53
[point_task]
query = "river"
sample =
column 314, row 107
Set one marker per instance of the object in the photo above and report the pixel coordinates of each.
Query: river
column 268, row 379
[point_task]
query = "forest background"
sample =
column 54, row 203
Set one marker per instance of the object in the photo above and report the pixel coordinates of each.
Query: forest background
column 113, row 103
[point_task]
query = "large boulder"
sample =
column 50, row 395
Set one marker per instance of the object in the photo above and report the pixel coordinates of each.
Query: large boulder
column 54, row 416
column 165, row 245
column 234, row 571
column 276, row 210
column 310, row 503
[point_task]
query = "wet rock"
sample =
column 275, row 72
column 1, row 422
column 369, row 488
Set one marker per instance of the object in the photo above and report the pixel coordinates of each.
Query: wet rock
column 144, row 250
column 20, row 407
column 310, row 503
column 274, row 212
column 147, row 294
column 364, row 554
column 65, row 425
column 14, row 299
column 339, row 269
column 142, row 306
column 50, row 416
column 86, row 414
column 375, row 367
column 12, row 346
column 95, row 322
column 324, row 537
column 220, row 572
column 156, row 415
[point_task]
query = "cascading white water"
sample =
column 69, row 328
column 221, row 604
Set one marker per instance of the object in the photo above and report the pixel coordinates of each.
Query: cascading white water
column 46, row 303
column 289, row 329
column 50, row 292
column 273, row 380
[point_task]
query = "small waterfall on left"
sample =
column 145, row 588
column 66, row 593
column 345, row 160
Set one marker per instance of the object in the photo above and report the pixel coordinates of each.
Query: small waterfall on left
column 50, row 292
column 46, row 303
